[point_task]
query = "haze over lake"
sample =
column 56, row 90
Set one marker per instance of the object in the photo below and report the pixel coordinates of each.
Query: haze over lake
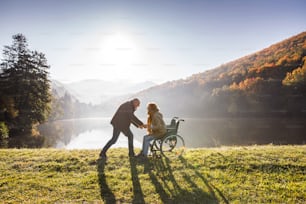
column 93, row 133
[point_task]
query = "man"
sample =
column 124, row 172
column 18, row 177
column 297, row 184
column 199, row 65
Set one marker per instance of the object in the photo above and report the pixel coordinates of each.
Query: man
column 121, row 122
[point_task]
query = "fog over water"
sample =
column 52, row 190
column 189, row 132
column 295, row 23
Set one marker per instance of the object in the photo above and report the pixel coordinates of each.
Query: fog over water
column 93, row 133
column 95, row 139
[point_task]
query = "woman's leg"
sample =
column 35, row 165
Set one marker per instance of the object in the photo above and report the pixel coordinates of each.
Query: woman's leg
column 146, row 143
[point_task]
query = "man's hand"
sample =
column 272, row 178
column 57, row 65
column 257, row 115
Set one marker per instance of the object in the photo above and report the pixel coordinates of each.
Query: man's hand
column 143, row 126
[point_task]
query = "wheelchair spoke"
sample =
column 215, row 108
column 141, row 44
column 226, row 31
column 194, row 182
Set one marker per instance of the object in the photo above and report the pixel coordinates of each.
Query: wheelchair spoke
column 172, row 145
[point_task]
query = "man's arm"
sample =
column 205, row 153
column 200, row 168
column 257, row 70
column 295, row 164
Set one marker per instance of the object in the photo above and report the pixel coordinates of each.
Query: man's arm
column 136, row 121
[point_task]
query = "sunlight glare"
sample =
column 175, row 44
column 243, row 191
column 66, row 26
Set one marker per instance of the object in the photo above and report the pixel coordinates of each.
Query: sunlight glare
column 119, row 49
column 117, row 56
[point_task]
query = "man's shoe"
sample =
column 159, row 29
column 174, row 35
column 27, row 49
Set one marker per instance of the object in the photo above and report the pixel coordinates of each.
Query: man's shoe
column 103, row 157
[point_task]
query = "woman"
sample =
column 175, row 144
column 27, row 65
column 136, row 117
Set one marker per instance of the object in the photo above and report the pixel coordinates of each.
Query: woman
column 156, row 128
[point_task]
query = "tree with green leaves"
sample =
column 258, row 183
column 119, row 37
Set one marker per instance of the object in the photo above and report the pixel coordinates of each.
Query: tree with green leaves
column 25, row 87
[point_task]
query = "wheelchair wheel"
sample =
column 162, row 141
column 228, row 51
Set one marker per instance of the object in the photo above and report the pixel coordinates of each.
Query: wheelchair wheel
column 172, row 146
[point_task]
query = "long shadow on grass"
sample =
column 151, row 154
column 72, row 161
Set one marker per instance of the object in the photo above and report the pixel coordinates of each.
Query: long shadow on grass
column 138, row 194
column 210, row 186
column 106, row 193
column 172, row 190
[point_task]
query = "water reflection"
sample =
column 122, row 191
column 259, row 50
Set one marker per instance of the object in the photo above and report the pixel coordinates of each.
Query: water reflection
column 89, row 133
column 243, row 131
column 93, row 133
column 96, row 139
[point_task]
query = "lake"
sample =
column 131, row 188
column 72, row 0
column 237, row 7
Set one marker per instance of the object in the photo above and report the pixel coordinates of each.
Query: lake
column 93, row 133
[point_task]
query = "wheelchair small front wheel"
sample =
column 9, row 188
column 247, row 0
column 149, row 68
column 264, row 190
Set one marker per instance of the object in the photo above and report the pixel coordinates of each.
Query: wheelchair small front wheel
column 172, row 146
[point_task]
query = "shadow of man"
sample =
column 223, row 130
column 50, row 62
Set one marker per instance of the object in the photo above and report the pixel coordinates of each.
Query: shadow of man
column 106, row 193
column 137, row 191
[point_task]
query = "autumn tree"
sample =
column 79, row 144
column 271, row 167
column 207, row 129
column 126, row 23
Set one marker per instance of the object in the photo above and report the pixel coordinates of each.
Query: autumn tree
column 297, row 78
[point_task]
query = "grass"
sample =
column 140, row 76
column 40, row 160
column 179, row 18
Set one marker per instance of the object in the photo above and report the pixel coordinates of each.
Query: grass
column 255, row 174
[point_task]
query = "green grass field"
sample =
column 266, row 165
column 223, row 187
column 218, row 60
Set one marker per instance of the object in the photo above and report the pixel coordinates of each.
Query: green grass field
column 255, row 174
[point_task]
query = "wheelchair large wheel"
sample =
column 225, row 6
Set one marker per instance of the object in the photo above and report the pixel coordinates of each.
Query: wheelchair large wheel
column 172, row 146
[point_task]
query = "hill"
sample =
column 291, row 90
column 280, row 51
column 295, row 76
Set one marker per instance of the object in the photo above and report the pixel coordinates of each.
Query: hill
column 254, row 174
column 271, row 82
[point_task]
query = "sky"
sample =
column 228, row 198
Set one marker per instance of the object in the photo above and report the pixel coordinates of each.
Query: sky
column 147, row 40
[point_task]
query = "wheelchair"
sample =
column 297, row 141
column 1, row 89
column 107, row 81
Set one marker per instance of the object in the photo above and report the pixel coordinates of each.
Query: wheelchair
column 171, row 144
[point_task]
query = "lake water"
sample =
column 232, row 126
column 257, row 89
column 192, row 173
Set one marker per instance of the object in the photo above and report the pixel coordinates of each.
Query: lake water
column 93, row 133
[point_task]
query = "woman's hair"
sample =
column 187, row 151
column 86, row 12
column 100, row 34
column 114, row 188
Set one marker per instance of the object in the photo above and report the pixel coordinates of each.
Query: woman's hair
column 153, row 107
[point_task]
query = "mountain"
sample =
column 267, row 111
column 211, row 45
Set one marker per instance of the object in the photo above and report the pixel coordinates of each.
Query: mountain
column 271, row 82
column 98, row 91
column 59, row 90
column 90, row 98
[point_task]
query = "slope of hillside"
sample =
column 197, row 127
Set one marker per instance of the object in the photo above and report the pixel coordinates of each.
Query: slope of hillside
column 257, row 174
column 266, row 83
column 272, row 62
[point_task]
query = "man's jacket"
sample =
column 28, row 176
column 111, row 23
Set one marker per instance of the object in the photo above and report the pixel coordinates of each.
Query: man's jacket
column 124, row 116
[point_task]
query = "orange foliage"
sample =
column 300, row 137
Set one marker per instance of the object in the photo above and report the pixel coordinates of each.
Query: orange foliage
column 249, row 84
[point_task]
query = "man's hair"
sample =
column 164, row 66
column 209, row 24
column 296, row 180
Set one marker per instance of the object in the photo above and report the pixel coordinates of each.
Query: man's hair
column 135, row 99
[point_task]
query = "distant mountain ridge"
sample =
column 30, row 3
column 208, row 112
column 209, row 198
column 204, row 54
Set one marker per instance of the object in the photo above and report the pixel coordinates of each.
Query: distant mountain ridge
column 59, row 89
column 97, row 91
column 90, row 98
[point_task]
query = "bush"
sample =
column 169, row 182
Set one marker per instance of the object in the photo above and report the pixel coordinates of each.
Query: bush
column 3, row 134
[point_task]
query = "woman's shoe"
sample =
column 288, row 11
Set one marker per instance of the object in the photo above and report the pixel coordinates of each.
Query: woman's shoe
column 140, row 154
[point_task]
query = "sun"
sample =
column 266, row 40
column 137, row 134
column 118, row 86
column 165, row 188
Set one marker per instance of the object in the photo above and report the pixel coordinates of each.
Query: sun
column 115, row 56
column 119, row 49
